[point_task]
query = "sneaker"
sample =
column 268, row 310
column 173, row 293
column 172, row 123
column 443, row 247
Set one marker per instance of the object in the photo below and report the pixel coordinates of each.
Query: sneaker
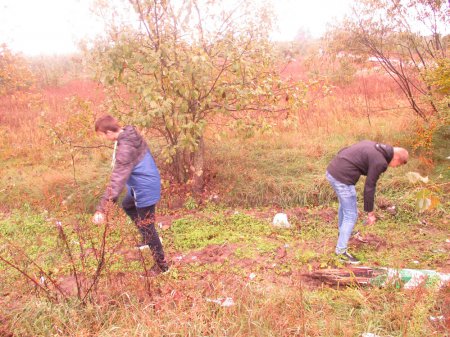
column 164, row 267
column 348, row 258
column 155, row 271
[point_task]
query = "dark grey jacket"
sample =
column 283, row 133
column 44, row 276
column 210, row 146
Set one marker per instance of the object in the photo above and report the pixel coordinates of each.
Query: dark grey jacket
column 364, row 158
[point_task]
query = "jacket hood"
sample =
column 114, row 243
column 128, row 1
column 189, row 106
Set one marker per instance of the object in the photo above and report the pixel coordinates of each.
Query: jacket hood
column 130, row 135
column 386, row 150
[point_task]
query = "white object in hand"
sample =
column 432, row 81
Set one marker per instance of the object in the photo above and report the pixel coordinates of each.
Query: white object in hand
column 98, row 218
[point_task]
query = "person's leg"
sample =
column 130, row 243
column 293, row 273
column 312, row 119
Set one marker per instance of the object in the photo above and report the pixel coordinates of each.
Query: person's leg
column 146, row 225
column 129, row 206
column 348, row 211
column 347, row 199
column 340, row 216
column 332, row 182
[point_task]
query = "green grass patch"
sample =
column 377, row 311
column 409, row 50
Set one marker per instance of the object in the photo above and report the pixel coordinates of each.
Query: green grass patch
column 194, row 233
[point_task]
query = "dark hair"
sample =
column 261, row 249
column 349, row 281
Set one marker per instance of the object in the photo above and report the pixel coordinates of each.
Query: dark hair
column 106, row 123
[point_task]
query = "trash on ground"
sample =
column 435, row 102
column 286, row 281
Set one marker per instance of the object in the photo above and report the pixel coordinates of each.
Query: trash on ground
column 359, row 237
column 369, row 334
column 408, row 278
column 436, row 318
column 252, row 276
column 281, row 220
column 392, row 210
column 223, row 302
column 414, row 177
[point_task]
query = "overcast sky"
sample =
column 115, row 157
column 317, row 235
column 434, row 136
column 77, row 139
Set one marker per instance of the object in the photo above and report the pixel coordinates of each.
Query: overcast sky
column 54, row 26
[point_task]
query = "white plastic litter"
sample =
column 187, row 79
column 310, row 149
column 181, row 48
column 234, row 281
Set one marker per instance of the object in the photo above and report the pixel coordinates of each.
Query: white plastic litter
column 281, row 220
column 223, row 302
column 252, row 276
column 369, row 334
column 413, row 278
column 414, row 177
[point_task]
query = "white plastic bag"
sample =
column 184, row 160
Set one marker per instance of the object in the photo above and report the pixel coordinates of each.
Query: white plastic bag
column 281, row 220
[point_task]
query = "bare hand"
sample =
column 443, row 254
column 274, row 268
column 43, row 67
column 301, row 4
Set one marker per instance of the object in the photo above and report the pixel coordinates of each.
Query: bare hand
column 371, row 218
column 98, row 218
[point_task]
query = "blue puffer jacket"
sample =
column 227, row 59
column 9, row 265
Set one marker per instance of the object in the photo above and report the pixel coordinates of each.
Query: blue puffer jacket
column 135, row 168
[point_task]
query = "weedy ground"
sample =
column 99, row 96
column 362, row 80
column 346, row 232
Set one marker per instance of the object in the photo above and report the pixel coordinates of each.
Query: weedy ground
column 232, row 272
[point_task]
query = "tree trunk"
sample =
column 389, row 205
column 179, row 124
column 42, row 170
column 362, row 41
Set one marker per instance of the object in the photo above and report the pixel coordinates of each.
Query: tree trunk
column 198, row 181
column 178, row 166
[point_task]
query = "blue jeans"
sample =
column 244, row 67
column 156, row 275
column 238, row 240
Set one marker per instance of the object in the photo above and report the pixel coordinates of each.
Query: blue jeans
column 348, row 211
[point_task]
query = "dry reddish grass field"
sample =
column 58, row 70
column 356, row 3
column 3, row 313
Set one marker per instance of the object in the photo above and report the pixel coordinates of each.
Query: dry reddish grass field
column 222, row 247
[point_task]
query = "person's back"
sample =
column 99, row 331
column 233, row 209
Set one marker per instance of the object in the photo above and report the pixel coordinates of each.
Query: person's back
column 356, row 160
column 144, row 179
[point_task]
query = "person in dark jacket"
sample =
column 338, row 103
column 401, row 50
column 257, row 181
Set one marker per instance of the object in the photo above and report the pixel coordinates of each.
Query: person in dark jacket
column 133, row 167
column 366, row 158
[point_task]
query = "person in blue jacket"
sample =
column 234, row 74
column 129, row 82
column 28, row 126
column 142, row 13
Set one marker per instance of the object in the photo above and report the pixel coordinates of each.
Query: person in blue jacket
column 134, row 168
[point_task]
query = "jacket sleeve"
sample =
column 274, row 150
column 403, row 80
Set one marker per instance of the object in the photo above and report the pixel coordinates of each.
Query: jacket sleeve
column 374, row 173
column 122, row 170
